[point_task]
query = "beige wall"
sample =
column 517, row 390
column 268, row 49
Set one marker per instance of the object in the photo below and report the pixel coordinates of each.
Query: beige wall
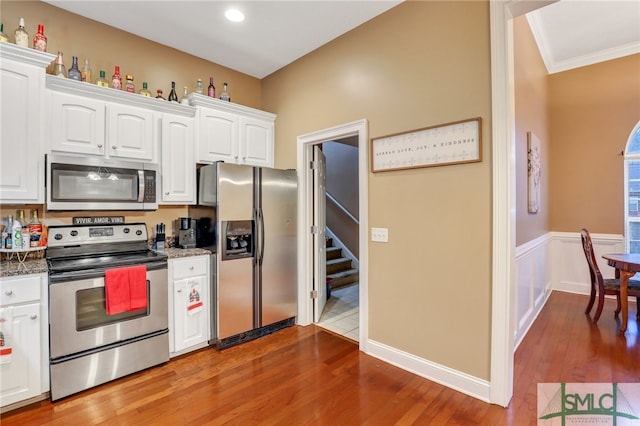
column 148, row 61
column 591, row 115
column 420, row 64
column 531, row 99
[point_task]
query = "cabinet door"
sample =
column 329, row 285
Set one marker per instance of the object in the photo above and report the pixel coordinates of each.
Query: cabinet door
column 129, row 132
column 256, row 142
column 21, row 165
column 218, row 136
column 190, row 307
column 20, row 369
column 178, row 164
column 77, row 124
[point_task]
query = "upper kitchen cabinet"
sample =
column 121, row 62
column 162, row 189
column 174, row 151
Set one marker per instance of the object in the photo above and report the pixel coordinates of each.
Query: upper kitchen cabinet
column 233, row 133
column 178, row 163
column 89, row 119
column 22, row 73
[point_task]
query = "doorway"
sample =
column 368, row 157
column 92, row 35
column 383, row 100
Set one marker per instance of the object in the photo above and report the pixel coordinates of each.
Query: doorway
column 308, row 287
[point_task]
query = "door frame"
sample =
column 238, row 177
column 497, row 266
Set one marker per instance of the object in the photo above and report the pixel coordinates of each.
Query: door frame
column 305, row 145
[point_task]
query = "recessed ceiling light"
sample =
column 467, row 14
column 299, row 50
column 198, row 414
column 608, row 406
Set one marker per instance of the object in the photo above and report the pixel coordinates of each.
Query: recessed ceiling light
column 234, row 15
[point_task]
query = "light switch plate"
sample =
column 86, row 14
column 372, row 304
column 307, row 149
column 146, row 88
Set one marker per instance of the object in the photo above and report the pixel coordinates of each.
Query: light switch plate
column 380, row 235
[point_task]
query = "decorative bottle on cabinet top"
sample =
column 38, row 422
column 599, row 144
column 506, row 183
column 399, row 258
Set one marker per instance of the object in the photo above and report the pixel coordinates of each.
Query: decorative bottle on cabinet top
column 173, row 96
column 116, row 79
column 40, row 40
column 129, row 86
column 74, row 72
column 86, row 71
column 3, row 36
column 211, row 90
column 102, row 80
column 21, row 35
column 199, row 89
column 59, row 68
column 159, row 95
column 185, row 96
column 225, row 93
column 145, row 91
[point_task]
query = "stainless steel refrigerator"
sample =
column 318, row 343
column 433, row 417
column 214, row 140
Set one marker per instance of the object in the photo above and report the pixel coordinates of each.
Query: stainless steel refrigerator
column 255, row 279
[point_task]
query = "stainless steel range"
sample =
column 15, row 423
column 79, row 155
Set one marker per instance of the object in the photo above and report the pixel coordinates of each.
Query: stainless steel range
column 89, row 346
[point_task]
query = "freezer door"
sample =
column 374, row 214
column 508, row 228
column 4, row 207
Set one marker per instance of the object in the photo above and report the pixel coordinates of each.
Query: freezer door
column 235, row 192
column 277, row 250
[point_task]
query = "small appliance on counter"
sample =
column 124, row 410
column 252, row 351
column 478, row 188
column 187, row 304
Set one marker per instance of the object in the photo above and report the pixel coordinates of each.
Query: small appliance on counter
column 185, row 232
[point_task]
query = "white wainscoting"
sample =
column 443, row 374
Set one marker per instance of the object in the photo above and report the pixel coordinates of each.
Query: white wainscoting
column 533, row 283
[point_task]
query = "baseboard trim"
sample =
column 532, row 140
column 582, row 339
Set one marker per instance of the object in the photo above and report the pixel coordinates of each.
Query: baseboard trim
column 457, row 380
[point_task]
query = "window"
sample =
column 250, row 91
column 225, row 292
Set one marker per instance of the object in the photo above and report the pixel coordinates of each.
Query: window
column 632, row 191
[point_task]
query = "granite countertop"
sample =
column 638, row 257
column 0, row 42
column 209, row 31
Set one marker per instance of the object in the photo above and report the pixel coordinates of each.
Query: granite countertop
column 175, row 253
column 12, row 267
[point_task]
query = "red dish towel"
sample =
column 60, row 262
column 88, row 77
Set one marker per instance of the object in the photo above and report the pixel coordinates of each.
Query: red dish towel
column 125, row 289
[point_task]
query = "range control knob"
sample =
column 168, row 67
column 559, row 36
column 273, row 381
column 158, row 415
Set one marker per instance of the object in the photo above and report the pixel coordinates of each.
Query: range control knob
column 74, row 233
column 138, row 232
column 126, row 230
column 58, row 236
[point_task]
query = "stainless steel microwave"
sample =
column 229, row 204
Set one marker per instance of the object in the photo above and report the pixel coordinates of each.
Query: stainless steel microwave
column 81, row 183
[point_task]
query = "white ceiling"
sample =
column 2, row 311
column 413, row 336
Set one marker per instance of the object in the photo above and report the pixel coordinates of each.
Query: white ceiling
column 575, row 33
column 274, row 33
column 569, row 33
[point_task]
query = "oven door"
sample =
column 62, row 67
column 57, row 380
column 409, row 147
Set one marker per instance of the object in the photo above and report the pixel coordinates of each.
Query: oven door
column 79, row 321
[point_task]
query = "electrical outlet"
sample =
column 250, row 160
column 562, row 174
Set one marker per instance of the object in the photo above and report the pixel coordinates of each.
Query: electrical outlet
column 380, row 235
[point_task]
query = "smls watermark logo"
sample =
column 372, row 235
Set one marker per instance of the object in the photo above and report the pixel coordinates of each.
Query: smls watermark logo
column 616, row 404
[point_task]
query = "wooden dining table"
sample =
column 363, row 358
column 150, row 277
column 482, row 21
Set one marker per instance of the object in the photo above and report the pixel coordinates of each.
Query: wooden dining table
column 627, row 264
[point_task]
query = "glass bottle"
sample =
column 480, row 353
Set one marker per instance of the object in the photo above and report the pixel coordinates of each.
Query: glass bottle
column 35, row 229
column 173, row 96
column 40, row 40
column 225, row 93
column 3, row 36
column 74, row 72
column 116, row 79
column 86, row 71
column 199, row 89
column 17, row 234
column 26, row 239
column 102, row 81
column 185, row 98
column 129, row 86
column 145, row 91
column 8, row 241
column 159, row 95
column 21, row 35
column 211, row 90
column 59, row 68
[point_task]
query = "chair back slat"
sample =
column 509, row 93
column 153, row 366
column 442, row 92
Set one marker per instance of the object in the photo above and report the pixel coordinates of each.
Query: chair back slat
column 587, row 247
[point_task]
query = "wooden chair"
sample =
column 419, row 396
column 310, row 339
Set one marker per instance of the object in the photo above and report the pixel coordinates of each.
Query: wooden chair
column 601, row 286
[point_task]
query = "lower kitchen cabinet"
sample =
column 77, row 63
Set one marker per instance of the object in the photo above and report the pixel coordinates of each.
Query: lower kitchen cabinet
column 24, row 347
column 189, row 298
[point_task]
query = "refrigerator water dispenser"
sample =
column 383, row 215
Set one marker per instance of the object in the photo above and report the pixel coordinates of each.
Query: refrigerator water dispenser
column 237, row 239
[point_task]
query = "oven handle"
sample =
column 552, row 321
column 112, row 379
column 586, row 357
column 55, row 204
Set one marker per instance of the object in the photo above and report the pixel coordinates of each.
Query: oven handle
column 55, row 277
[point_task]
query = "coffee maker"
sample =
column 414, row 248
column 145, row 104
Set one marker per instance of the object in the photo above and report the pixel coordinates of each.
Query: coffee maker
column 185, row 232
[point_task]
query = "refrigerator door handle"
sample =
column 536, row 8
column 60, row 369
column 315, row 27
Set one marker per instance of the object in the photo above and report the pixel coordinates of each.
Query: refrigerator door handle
column 261, row 233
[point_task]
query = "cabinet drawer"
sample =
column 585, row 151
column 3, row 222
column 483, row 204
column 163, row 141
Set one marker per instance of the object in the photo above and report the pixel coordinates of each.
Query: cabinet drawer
column 19, row 290
column 189, row 267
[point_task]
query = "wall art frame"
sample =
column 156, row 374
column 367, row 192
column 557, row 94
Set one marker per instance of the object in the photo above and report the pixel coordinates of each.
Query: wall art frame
column 458, row 142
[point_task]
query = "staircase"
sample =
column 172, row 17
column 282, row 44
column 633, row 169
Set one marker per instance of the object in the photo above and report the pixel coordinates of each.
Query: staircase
column 339, row 268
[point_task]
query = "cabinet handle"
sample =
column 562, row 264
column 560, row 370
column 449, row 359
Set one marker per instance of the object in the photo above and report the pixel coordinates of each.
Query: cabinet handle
column 33, row 317
column 113, row 147
column 191, row 268
column 166, row 193
column 179, row 290
column 8, row 292
column 100, row 145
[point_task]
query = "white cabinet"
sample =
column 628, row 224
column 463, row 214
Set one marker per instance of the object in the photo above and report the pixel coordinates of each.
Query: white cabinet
column 85, row 125
column 233, row 133
column 24, row 350
column 22, row 73
column 178, row 163
column 189, row 296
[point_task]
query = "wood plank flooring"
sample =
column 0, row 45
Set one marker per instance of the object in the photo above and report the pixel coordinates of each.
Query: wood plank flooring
column 308, row 376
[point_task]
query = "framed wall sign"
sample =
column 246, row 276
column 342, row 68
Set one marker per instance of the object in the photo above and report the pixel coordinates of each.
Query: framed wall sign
column 452, row 143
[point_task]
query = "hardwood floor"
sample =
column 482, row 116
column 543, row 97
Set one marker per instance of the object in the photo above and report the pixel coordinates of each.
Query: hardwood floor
column 308, row 376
